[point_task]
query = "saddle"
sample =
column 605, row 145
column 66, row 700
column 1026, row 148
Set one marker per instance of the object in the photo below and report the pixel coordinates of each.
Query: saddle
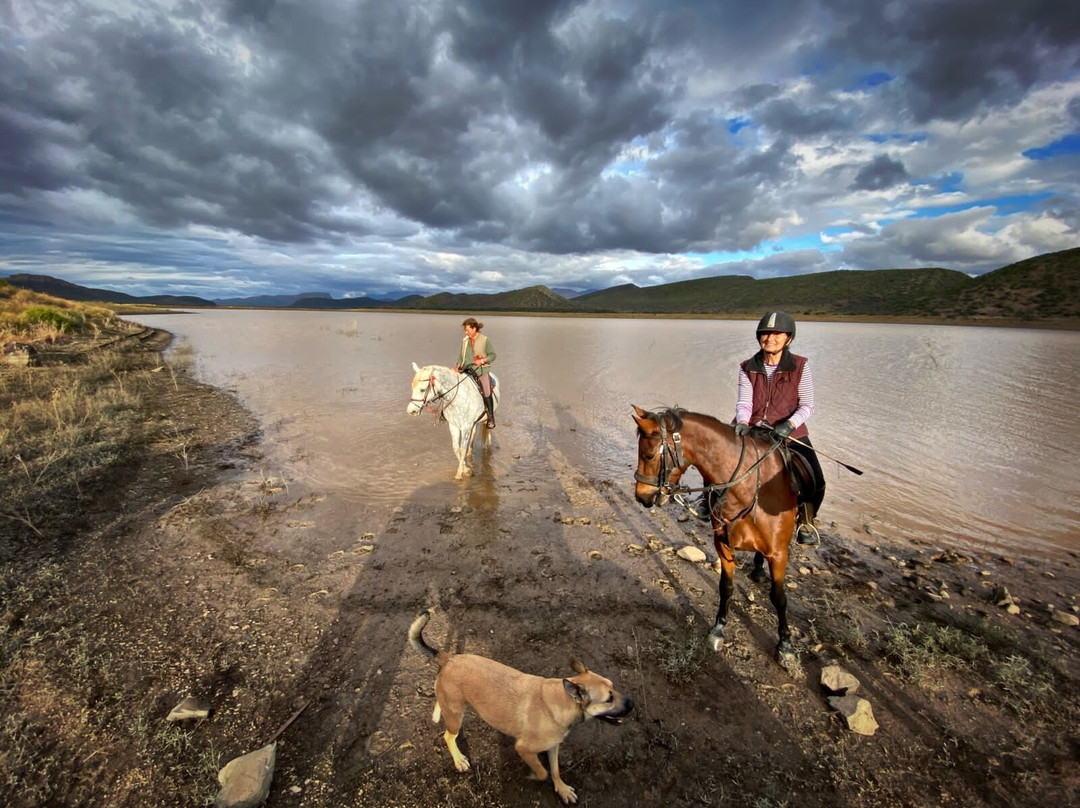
column 800, row 473
column 472, row 374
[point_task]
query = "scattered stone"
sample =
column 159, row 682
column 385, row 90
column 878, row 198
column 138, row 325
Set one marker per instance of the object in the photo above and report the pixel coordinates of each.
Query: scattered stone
column 857, row 712
column 804, row 570
column 584, row 520
column 596, row 555
column 683, row 517
column 1001, row 597
column 871, row 585
column 838, row 681
column 190, row 707
column 245, row 781
column 1066, row 618
column 691, row 554
column 20, row 353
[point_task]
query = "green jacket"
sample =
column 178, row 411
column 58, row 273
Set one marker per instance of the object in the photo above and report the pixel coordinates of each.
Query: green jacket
column 469, row 352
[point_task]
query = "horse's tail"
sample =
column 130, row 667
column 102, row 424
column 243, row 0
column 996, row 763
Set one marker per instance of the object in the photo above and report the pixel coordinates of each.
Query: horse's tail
column 416, row 637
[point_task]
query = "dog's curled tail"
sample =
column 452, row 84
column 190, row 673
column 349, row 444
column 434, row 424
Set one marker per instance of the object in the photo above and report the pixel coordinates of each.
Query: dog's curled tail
column 416, row 634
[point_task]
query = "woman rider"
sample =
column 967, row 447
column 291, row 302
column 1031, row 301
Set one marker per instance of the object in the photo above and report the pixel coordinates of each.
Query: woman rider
column 477, row 354
column 776, row 391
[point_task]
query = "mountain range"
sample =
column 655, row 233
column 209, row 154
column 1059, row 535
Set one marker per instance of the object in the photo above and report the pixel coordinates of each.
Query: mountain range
column 1044, row 288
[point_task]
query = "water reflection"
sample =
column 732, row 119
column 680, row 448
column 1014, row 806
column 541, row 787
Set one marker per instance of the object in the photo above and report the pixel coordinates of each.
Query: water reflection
column 960, row 433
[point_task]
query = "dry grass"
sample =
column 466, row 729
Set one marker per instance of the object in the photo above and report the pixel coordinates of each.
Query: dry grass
column 27, row 316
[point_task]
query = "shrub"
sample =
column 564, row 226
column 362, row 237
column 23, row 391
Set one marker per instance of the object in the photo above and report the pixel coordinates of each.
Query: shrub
column 65, row 321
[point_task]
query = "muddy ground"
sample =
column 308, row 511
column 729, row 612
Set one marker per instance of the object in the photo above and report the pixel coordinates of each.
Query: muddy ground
column 191, row 572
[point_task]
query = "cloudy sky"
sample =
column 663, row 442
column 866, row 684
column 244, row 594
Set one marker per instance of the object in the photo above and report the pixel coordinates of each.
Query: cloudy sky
column 241, row 147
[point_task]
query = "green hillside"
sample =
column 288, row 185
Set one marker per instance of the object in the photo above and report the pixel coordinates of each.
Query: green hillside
column 870, row 292
column 532, row 298
column 1044, row 287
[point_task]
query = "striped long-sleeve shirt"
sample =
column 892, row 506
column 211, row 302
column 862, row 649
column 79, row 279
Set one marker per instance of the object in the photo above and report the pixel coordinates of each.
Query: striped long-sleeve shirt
column 745, row 404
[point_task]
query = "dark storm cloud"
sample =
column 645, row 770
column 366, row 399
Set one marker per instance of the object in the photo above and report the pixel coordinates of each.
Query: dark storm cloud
column 560, row 128
column 959, row 56
column 881, row 173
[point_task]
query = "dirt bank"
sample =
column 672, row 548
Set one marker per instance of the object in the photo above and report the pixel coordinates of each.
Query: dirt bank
column 189, row 571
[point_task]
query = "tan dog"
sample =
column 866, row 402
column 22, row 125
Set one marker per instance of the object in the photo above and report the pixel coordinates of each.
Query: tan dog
column 537, row 712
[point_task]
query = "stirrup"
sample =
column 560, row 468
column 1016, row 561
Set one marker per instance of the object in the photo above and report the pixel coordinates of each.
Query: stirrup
column 807, row 535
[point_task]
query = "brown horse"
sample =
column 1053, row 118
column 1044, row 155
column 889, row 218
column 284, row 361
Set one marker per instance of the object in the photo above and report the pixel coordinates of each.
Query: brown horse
column 751, row 500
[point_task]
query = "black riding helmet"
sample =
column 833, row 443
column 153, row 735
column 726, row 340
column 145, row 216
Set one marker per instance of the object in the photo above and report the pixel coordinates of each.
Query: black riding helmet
column 777, row 321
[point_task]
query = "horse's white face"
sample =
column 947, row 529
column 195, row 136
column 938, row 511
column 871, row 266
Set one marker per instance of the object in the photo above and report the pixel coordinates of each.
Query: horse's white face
column 420, row 389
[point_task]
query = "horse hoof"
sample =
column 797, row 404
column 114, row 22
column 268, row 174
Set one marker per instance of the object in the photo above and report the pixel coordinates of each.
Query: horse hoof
column 759, row 576
column 716, row 639
column 785, row 655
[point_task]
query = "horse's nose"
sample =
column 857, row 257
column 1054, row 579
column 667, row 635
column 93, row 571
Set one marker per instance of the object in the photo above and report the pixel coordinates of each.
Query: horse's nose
column 646, row 495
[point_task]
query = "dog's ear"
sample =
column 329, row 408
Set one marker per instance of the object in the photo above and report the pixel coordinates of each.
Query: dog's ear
column 575, row 691
column 578, row 667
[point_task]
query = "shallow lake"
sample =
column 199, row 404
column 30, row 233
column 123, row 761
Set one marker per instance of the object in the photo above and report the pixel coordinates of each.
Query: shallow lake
column 966, row 436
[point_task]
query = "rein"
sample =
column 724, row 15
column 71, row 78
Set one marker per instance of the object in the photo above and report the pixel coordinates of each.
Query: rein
column 428, row 402
column 673, row 454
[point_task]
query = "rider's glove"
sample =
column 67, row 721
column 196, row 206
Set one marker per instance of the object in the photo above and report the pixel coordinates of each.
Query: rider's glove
column 783, row 429
column 742, row 430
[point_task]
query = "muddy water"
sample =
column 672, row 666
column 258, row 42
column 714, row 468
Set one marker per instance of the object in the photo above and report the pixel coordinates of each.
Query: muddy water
column 961, row 438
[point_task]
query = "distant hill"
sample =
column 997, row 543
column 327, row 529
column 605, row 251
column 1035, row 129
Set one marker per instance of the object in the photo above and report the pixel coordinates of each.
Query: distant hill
column 868, row 292
column 83, row 294
column 271, row 301
column 332, row 303
column 533, row 298
column 1044, row 288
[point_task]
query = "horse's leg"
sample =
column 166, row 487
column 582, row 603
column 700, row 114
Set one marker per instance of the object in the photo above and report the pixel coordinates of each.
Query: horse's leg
column 459, row 451
column 758, row 575
column 727, row 586
column 785, row 651
column 470, row 433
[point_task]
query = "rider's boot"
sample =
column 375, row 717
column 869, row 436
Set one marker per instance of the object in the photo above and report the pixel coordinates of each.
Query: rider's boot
column 489, row 405
column 807, row 533
column 702, row 508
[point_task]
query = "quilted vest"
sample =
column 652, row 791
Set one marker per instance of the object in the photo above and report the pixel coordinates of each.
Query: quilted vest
column 776, row 399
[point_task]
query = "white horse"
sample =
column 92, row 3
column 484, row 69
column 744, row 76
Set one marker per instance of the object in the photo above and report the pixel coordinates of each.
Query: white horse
column 439, row 389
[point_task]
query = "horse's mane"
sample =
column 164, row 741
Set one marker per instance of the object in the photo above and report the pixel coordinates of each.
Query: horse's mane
column 672, row 417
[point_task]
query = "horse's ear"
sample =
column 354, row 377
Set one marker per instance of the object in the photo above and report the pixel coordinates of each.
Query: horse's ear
column 640, row 412
column 415, row 368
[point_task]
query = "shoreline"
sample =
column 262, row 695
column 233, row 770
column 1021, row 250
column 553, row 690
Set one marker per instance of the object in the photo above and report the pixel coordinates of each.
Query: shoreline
column 1050, row 325
column 200, row 575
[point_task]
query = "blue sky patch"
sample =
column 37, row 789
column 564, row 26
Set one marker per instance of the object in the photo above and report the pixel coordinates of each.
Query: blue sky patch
column 1070, row 144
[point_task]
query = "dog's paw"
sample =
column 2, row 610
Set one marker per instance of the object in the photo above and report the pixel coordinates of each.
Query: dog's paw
column 461, row 763
column 566, row 793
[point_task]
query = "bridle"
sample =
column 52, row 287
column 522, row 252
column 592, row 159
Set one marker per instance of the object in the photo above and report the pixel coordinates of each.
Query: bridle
column 429, row 403
column 671, row 458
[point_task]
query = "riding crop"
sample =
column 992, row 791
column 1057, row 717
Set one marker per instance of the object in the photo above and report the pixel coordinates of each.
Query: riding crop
column 852, row 469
